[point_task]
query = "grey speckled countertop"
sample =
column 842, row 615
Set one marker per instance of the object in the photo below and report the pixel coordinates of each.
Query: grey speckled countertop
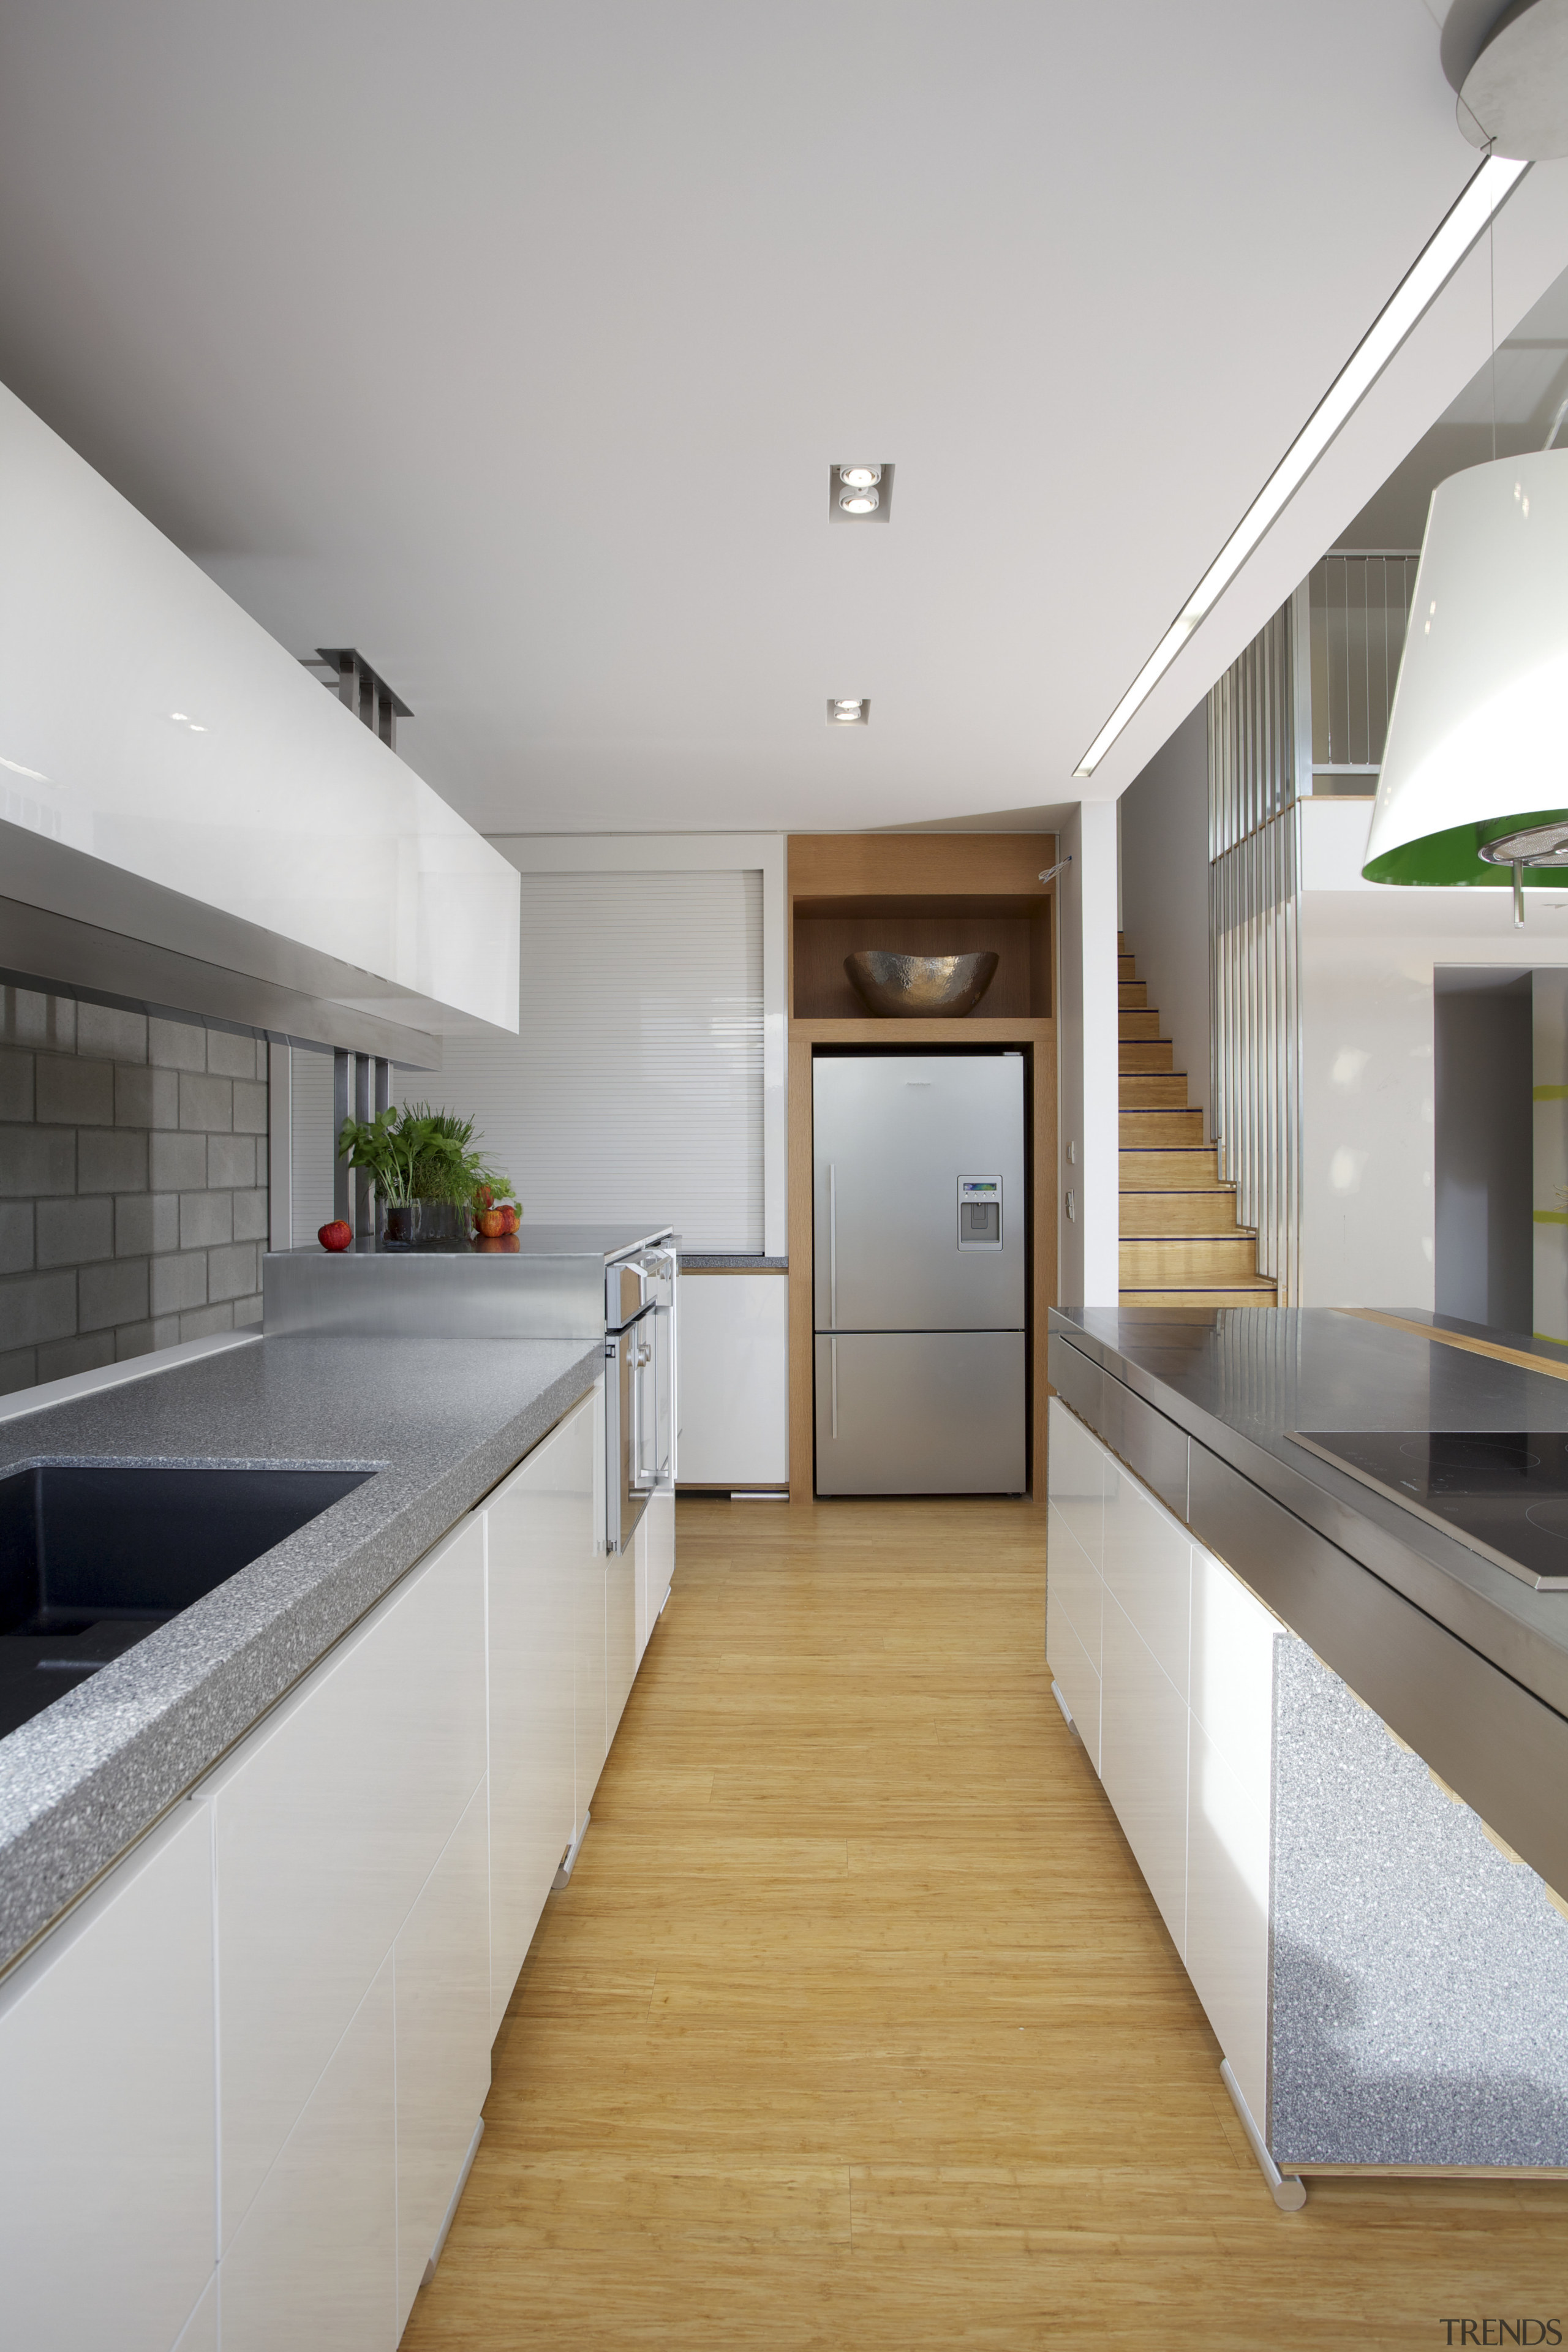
column 439, row 1420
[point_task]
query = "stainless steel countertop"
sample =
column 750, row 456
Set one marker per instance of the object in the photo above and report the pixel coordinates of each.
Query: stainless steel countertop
column 1237, row 1380
column 600, row 1242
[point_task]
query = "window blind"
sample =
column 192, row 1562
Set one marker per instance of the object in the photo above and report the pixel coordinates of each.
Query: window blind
column 312, row 1143
column 634, row 1092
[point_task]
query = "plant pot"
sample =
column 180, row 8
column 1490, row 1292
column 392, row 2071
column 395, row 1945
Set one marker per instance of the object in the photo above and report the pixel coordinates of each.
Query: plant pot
column 442, row 1220
column 403, row 1224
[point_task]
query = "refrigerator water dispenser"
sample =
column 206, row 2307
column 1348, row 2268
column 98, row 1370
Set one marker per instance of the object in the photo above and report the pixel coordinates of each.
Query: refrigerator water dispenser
column 980, row 1213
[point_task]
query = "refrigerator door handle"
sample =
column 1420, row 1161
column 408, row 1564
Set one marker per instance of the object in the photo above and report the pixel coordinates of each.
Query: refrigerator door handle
column 833, row 1385
column 832, row 1264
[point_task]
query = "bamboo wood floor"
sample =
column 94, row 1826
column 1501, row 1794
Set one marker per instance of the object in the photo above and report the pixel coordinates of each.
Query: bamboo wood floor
column 857, row 2027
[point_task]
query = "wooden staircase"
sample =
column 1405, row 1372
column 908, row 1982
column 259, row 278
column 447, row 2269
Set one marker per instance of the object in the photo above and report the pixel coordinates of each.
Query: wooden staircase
column 1181, row 1245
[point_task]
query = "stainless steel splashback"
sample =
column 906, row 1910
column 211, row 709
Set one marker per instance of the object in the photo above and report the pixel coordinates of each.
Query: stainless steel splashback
column 415, row 1295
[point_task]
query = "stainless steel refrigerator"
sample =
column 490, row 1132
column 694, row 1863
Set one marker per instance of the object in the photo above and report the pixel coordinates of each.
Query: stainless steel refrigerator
column 922, row 1239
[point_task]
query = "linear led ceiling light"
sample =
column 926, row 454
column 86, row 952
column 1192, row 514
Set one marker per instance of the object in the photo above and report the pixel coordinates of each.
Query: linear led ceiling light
column 1432, row 271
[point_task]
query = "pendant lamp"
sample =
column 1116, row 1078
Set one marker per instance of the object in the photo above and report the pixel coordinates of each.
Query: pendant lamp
column 1474, row 788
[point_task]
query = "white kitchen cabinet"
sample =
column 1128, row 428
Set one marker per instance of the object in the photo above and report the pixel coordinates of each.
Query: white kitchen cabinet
column 1232, row 1642
column 1146, row 1562
column 328, row 1819
column 442, row 1993
column 542, row 1552
column 107, row 2192
column 591, row 1635
column 656, row 1562
column 313, row 2266
column 1074, row 1607
column 1072, row 1584
column 1227, row 1911
column 1230, row 1786
column 1077, row 1680
column 733, row 1380
column 1166, row 1662
column 1077, row 1470
column 1143, row 1762
column 620, row 1631
column 266, row 2037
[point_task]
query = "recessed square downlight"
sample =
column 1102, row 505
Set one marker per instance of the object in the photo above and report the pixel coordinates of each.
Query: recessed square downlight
column 859, row 490
column 845, row 710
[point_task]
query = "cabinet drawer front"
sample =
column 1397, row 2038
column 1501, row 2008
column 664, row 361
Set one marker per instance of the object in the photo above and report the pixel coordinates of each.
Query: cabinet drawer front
column 107, row 2183
column 540, row 1537
column 1233, row 1669
column 1071, row 1584
column 1075, row 1479
column 329, row 1820
column 443, row 2011
column 733, row 1333
column 1074, row 1676
column 1228, row 1912
column 1144, row 1763
column 315, row 2260
column 1148, row 1568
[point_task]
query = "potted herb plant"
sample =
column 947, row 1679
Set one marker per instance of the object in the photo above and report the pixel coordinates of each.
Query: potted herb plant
column 426, row 1169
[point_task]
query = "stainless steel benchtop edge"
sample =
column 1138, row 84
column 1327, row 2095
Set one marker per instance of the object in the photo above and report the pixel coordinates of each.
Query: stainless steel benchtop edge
column 1521, row 1631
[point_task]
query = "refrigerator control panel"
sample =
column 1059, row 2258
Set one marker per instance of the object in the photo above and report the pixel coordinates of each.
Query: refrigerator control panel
column 980, row 1213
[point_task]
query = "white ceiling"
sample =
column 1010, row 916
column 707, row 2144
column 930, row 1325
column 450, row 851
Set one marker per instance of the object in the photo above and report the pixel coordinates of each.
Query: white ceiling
column 512, row 342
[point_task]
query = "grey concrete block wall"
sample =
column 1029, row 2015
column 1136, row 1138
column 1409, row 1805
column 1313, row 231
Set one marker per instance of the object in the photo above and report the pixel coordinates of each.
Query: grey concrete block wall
column 132, row 1183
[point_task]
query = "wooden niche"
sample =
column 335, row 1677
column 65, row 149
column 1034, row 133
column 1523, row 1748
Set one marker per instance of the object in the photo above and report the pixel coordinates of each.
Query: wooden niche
column 827, row 930
column 921, row 894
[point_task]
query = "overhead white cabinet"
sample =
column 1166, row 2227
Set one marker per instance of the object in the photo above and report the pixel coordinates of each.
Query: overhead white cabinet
column 1166, row 1664
column 171, row 802
column 732, row 1379
column 543, row 1557
column 106, row 2093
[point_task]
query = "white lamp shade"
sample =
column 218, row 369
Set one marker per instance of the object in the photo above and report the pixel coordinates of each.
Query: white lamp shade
column 1478, row 738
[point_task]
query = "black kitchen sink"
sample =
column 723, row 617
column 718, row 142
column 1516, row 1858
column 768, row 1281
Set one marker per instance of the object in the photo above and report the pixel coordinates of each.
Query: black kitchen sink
column 92, row 1559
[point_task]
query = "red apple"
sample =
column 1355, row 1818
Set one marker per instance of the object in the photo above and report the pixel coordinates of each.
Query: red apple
column 336, row 1235
column 490, row 1225
column 508, row 1219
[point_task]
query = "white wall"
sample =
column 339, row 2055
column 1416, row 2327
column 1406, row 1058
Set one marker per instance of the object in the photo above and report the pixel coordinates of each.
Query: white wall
column 1550, row 1156
column 1368, row 956
column 1165, row 894
column 1087, row 1241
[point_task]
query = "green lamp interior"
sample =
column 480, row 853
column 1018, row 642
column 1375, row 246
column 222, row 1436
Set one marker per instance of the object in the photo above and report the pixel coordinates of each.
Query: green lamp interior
column 1451, row 859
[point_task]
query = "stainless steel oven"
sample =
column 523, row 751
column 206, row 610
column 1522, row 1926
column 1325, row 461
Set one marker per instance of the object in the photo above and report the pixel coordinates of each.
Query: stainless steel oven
column 640, row 1389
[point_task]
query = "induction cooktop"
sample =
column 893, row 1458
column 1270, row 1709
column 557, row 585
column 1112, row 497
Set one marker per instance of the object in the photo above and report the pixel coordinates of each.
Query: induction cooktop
column 1503, row 1492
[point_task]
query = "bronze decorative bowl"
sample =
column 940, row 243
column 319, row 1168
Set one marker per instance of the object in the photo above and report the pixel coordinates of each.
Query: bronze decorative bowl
column 916, row 988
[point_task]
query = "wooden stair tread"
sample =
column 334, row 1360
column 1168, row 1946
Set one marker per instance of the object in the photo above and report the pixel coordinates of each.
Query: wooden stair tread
column 1262, row 1294
column 1179, row 1241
